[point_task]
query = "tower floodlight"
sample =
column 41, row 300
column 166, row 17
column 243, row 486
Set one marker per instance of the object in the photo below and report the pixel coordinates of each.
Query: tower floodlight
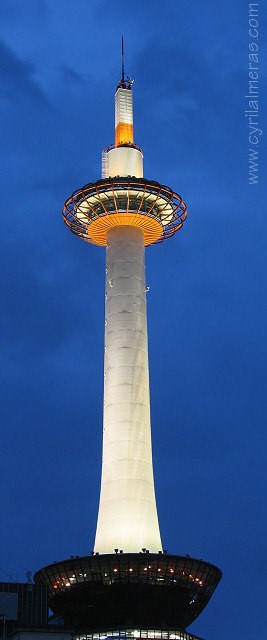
column 126, row 212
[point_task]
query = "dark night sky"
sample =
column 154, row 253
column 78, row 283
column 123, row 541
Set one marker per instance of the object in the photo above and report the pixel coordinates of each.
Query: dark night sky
column 60, row 62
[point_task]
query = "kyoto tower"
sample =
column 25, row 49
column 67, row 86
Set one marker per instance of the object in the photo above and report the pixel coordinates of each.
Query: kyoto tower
column 128, row 586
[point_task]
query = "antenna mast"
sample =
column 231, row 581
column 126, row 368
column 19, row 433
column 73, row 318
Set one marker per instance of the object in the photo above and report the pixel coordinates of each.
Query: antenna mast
column 122, row 60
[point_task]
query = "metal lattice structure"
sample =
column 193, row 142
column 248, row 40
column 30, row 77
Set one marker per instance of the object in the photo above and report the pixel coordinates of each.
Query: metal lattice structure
column 101, row 205
column 145, row 588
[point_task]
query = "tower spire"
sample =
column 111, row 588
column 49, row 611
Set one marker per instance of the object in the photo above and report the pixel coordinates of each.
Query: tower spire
column 123, row 108
column 122, row 61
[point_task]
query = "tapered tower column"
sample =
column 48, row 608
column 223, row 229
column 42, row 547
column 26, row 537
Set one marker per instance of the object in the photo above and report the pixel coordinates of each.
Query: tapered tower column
column 127, row 516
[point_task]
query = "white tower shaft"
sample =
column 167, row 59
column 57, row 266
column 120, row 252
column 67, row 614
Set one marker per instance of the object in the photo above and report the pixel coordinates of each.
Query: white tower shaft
column 127, row 517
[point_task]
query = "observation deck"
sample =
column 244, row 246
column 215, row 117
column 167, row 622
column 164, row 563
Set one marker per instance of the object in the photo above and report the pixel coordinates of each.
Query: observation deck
column 110, row 202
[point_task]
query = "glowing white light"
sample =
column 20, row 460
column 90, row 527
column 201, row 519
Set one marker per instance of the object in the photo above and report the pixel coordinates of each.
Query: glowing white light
column 127, row 516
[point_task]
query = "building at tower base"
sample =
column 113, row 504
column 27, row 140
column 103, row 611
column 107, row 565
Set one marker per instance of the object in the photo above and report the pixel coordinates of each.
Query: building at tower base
column 24, row 615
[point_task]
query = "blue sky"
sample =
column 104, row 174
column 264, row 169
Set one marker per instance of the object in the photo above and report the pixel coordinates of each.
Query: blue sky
column 59, row 64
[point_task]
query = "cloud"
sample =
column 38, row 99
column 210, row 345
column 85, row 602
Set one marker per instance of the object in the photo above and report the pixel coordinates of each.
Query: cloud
column 42, row 300
column 71, row 75
column 17, row 81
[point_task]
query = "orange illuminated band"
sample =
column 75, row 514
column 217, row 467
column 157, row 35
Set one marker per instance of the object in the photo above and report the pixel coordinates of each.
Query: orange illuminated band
column 97, row 230
column 123, row 133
